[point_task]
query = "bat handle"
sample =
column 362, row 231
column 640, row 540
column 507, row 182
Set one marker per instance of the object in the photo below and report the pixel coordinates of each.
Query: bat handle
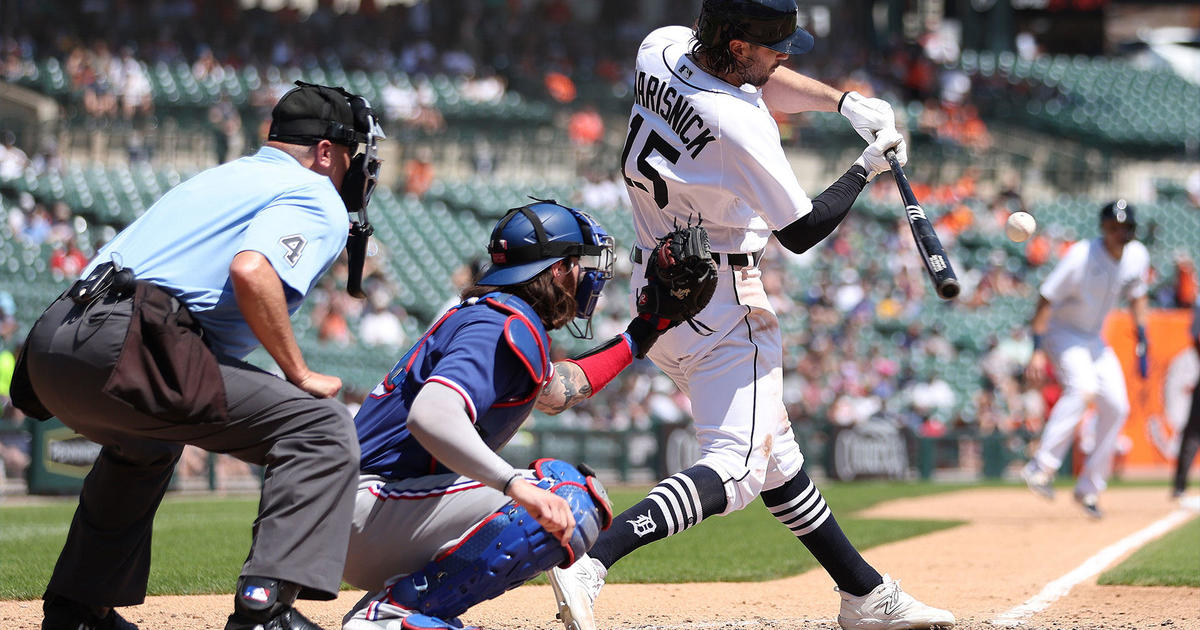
column 890, row 154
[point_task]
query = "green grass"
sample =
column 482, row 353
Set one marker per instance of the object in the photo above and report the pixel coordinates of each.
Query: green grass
column 200, row 543
column 1173, row 560
column 750, row 545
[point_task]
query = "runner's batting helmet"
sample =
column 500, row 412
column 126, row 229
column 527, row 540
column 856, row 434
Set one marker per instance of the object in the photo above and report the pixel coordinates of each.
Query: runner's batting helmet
column 769, row 23
column 1120, row 211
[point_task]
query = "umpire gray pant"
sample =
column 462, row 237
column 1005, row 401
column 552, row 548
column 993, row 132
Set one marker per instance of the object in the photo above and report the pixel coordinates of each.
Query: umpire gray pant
column 308, row 447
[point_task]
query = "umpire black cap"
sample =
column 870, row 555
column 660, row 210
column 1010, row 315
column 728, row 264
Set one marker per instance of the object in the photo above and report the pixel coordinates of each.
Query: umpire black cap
column 310, row 113
column 768, row 23
column 1120, row 211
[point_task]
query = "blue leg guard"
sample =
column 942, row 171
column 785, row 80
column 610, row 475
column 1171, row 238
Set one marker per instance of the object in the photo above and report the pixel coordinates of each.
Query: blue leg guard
column 508, row 548
column 425, row 622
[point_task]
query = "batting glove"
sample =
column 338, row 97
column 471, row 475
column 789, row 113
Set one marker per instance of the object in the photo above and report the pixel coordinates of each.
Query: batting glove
column 868, row 116
column 872, row 159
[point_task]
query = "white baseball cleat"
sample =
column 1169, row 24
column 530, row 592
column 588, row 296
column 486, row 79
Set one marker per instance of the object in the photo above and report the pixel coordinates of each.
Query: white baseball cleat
column 1040, row 482
column 575, row 590
column 1090, row 504
column 889, row 608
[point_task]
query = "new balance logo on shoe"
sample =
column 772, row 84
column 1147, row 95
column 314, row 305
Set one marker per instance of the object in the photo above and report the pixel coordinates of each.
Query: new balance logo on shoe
column 892, row 603
column 888, row 607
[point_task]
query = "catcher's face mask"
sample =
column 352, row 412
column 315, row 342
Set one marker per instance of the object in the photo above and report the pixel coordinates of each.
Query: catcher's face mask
column 596, row 269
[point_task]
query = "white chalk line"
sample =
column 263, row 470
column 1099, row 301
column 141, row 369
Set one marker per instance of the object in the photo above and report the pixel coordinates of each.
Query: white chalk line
column 1090, row 567
column 701, row 625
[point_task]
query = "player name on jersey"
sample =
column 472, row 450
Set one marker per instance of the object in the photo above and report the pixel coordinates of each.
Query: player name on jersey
column 673, row 108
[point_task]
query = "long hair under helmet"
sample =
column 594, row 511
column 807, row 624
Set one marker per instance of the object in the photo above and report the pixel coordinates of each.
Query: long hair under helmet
column 527, row 240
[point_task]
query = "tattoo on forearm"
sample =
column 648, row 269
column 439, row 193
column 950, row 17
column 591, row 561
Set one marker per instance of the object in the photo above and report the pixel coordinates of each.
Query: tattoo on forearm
column 570, row 387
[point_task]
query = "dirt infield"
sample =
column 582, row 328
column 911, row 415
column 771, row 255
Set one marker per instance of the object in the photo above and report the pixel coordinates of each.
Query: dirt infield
column 1013, row 545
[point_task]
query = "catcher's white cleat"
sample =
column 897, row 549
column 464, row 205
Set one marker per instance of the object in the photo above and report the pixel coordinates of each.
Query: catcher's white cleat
column 889, row 608
column 575, row 591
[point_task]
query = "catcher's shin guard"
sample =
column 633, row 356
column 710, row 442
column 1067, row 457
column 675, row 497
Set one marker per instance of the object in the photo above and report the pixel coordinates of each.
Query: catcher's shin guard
column 508, row 548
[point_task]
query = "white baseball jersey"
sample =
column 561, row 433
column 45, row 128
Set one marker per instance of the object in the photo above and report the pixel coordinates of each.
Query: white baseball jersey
column 1087, row 283
column 699, row 147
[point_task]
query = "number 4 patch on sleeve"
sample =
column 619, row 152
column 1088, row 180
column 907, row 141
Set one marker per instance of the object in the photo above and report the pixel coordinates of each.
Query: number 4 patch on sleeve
column 294, row 245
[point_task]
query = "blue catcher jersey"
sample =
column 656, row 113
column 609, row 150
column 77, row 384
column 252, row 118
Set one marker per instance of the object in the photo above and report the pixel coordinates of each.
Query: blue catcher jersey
column 492, row 350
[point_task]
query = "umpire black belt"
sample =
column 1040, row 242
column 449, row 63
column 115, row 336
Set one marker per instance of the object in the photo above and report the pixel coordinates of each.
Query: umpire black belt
column 733, row 260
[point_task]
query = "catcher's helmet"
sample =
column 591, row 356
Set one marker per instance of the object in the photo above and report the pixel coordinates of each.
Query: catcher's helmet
column 529, row 239
column 769, row 23
column 1120, row 211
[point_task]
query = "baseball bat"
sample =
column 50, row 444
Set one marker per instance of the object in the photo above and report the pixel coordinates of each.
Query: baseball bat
column 930, row 247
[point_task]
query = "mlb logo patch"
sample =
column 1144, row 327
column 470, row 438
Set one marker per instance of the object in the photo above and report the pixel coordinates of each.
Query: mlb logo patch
column 257, row 593
column 685, row 71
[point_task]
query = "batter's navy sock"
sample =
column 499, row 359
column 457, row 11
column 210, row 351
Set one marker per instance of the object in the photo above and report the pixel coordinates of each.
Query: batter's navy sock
column 675, row 504
column 799, row 506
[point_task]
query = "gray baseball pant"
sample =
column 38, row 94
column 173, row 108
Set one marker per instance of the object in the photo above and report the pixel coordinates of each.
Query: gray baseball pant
column 308, row 447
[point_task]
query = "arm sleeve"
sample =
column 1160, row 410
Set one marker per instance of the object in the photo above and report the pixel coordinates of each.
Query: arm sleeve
column 828, row 210
column 299, row 233
column 439, row 421
column 1064, row 278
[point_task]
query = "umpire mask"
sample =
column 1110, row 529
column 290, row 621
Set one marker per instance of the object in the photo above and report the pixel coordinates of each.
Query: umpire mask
column 311, row 112
column 357, row 187
column 363, row 174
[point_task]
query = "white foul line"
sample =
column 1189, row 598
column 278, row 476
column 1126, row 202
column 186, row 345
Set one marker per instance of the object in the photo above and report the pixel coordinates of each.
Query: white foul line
column 764, row 623
column 1090, row 567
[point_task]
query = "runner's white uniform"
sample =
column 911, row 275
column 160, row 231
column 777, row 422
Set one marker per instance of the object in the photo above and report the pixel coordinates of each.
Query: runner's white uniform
column 699, row 148
column 1085, row 285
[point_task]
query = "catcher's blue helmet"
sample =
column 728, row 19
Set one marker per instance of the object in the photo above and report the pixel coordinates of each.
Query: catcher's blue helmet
column 529, row 239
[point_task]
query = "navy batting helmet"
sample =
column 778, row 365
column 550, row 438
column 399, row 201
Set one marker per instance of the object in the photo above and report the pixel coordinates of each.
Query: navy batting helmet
column 1120, row 211
column 769, row 23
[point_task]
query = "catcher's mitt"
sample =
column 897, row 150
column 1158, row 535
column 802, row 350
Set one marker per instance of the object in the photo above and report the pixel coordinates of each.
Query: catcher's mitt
column 681, row 276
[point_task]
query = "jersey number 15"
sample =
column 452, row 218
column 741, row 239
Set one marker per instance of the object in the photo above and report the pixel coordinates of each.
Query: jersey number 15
column 653, row 142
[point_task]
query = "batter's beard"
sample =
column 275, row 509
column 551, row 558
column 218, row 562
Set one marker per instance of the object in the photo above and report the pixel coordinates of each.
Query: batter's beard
column 758, row 79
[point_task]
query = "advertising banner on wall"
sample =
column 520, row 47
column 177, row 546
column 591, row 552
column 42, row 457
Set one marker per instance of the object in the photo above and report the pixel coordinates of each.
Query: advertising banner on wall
column 1159, row 403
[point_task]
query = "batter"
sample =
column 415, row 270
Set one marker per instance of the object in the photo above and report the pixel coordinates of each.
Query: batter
column 702, row 145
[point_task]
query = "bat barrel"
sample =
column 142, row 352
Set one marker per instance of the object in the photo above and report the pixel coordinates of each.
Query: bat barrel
column 928, row 244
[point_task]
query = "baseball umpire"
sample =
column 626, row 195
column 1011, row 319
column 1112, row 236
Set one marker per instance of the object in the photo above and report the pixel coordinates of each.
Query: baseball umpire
column 702, row 145
column 442, row 522
column 143, row 355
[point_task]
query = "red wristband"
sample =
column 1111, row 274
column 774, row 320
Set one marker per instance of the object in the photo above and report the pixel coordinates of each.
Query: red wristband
column 602, row 364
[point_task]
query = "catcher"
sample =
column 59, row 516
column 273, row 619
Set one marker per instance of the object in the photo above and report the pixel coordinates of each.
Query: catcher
column 441, row 521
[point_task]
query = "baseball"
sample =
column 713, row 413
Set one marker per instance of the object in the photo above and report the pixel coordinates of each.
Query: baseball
column 1020, row 226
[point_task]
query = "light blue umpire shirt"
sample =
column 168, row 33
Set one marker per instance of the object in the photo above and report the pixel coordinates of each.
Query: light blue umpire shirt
column 267, row 203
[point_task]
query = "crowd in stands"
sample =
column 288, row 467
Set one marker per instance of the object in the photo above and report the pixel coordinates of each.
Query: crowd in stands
column 828, row 300
column 545, row 49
